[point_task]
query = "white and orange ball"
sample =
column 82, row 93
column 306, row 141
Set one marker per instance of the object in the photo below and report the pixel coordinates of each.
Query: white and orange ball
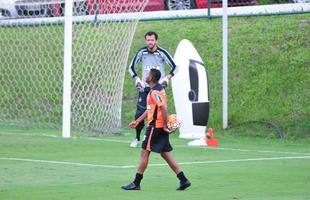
column 173, row 122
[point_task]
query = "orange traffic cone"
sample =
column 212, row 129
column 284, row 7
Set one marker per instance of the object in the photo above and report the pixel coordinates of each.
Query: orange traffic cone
column 211, row 141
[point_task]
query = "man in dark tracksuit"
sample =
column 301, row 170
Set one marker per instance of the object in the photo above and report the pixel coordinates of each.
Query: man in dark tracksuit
column 151, row 57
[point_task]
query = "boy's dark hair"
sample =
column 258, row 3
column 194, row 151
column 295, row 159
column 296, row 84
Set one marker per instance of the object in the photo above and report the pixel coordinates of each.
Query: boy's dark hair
column 155, row 75
column 151, row 33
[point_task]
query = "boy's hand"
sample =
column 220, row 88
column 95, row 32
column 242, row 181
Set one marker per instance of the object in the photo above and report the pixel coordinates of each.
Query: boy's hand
column 133, row 124
column 169, row 131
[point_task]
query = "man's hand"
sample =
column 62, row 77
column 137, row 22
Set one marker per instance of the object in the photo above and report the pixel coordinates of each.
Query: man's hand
column 139, row 85
column 133, row 124
column 164, row 81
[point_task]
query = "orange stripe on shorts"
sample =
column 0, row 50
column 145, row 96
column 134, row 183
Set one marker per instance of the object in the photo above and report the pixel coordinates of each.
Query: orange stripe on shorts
column 148, row 146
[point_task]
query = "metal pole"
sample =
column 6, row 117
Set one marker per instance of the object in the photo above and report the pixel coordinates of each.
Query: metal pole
column 66, row 118
column 225, row 65
column 209, row 9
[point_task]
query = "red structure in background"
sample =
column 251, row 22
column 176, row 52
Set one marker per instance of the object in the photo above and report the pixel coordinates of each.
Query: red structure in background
column 218, row 3
column 91, row 7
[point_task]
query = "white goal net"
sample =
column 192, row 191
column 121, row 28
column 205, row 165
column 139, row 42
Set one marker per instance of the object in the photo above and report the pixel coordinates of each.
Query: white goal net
column 32, row 62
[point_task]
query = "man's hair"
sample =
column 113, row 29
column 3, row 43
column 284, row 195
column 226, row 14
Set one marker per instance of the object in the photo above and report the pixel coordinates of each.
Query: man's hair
column 155, row 73
column 150, row 33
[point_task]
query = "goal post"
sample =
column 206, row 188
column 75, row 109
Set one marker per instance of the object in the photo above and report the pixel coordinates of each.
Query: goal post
column 32, row 42
column 66, row 116
column 225, row 65
column 37, row 91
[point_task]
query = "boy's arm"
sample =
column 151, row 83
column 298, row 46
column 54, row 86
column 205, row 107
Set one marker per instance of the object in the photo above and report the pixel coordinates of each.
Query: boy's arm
column 135, row 123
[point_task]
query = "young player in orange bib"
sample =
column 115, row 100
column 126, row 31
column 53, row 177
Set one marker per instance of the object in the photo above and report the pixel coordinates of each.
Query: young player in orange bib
column 157, row 133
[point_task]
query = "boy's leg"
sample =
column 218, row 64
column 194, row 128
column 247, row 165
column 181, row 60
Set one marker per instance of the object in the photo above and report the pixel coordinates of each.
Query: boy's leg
column 171, row 161
column 184, row 182
column 144, row 159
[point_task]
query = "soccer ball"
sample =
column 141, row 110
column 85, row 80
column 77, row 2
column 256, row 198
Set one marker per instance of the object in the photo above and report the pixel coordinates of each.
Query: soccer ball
column 173, row 122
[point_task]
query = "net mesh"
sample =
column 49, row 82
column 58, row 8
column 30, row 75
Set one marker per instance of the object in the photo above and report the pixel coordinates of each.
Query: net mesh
column 32, row 43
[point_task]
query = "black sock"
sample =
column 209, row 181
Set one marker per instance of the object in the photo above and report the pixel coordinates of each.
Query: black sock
column 138, row 179
column 181, row 177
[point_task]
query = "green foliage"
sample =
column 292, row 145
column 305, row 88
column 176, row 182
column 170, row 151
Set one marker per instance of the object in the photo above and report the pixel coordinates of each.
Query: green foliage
column 20, row 46
column 269, row 2
column 269, row 69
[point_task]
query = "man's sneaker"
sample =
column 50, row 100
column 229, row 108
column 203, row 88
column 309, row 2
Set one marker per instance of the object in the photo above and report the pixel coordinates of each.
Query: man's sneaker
column 184, row 185
column 134, row 143
column 131, row 186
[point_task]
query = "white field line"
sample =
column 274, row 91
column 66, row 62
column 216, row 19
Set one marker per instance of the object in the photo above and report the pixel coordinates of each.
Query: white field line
column 183, row 146
column 246, row 150
column 153, row 165
column 67, row 163
column 58, row 136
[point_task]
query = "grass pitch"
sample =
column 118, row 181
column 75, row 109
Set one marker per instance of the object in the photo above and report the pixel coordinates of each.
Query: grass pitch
column 37, row 164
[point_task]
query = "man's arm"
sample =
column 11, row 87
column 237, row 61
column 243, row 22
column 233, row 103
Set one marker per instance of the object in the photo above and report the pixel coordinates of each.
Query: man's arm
column 134, row 63
column 132, row 70
column 169, row 60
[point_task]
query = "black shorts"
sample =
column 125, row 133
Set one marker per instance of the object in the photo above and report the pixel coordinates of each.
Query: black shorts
column 156, row 140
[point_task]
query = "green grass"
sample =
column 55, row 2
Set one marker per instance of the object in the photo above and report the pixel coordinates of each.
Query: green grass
column 268, row 93
column 269, row 73
column 267, row 2
column 269, row 70
column 248, row 179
